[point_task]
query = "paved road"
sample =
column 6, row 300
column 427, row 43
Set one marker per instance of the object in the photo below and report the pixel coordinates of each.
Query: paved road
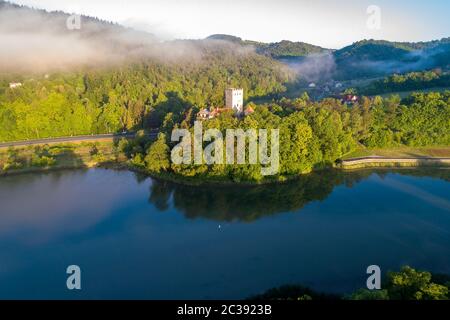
column 97, row 137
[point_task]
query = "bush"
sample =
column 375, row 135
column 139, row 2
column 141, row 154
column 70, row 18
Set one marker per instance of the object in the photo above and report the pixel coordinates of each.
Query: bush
column 409, row 284
column 366, row 294
column 42, row 161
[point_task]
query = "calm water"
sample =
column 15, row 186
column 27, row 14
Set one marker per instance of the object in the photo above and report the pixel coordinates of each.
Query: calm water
column 138, row 238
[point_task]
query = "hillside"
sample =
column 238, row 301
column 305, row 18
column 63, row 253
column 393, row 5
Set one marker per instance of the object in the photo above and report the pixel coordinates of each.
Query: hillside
column 107, row 78
column 362, row 59
column 289, row 49
column 371, row 58
column 35, row 39
column 408, row 82
column 277, row 50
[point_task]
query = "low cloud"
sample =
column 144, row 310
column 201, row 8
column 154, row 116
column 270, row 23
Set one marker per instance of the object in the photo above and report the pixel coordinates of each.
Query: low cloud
column 39, row 41
column 313, row 67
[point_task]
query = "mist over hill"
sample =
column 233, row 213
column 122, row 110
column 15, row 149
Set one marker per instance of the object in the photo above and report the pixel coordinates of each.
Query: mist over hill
column 365, row 58
column 107, row 78
column 376, row 58
column 39, row 41
column 284, row 49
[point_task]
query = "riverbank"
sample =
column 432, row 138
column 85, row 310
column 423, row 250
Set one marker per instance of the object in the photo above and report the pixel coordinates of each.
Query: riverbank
column 104, row 154
column 377, row 161
column 395, row 157
column 30, row 159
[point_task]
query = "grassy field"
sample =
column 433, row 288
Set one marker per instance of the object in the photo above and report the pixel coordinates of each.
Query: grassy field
column 401, row 152
column 60, row 156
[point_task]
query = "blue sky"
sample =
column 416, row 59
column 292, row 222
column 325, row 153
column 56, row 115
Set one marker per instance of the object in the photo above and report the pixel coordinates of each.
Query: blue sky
column 328, row 23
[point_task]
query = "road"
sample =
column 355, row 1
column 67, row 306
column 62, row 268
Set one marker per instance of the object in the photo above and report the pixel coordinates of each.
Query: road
column 98, row 137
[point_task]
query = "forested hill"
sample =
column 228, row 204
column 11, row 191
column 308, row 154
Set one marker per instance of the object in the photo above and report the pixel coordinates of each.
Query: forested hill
column 106, row 78
column 278, row 50
column 37, row 40
column 377, row 57
column 365, row 58
column 385, row 50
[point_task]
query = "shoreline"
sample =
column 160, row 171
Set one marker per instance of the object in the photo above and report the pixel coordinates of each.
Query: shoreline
column 353, row 164
column 391, row 162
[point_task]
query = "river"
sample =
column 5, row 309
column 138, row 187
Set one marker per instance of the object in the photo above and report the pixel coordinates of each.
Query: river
column 135, row 237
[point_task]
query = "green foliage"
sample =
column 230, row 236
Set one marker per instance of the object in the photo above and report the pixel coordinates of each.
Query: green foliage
column 316, row 134
column 42, row 161
column 13, row 160
column 366, row 294
column 374, row 50
column 157, row 158
column 408, row 82
column 277, row 50
column 293, row 292
column 409, row 284
column 138, row 161
column 373, row 58
column 42, row 157
column 288, row 49
column 134, row 96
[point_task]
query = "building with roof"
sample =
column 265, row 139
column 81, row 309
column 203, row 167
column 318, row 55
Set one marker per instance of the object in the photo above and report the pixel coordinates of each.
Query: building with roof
column 14, row 85
column 248, row 111
column 234, row 102
column 234, row 99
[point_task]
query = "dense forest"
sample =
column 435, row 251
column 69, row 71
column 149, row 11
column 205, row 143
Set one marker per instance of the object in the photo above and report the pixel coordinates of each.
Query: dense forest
column 408, row 82
column 130, row 97
column 374, row 58
column 128, row 80
column 276, row 50
column 287, row 49
column 406, row 284
column 312, row 134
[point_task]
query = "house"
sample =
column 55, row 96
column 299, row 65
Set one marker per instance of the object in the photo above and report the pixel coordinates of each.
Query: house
column 217, row 111
column 234, row 102
column 204, row 114
column 312, row 85
column 248, row 111
column 14, row 85
column 349, row 98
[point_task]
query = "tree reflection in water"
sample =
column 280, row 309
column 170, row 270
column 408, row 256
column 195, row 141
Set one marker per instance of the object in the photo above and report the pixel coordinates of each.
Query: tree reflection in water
column 248, row 203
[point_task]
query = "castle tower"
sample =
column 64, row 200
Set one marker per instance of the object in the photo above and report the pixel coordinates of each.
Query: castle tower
column 234, row 99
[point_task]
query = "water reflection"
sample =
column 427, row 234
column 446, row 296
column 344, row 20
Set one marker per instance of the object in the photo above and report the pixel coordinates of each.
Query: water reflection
column 41, row 206
column 111, row 224
column 225, row 203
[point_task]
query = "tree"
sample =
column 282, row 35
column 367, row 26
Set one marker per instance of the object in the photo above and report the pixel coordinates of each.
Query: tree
column 409, row 284
column 157, row 158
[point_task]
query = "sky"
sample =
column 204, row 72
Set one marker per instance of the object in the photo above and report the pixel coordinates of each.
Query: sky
column 328, row 23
